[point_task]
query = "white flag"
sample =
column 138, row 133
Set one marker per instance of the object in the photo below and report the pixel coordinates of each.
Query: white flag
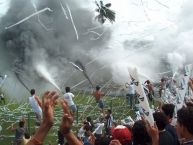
column 144, row 104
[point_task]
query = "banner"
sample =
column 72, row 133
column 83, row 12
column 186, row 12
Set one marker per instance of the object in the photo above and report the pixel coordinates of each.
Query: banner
column 184, row 88
column 143, row 101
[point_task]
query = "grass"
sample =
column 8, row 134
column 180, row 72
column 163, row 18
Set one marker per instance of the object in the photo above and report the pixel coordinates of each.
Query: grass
column 86, row 107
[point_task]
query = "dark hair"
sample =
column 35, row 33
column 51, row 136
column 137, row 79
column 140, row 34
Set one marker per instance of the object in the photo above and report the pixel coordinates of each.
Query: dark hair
column 140, row 135
column 67, row 89
column 87, row 127
column 109, row 110
column 189, row 104
column 185, row 118
column 88, row 119
column 103, row 140
column 91, row 122
column 160, row 119
column 168, row 109
column 21, row 124
column 26, row 135
column 148, row 82
column 32, row 91
column 98, row 88
column 162, row 79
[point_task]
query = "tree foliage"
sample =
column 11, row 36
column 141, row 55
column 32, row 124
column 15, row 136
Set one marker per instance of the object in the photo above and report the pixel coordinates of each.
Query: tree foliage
column 104, row 12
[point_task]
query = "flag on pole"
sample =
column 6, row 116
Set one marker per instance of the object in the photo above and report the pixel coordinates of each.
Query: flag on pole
column 143, row 101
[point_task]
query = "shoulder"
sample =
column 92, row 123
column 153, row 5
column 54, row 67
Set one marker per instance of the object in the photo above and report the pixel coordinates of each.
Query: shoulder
column 36, row 97
column 72, row 95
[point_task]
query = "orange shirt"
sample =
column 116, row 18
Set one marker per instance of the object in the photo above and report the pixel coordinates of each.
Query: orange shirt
column 97, row 95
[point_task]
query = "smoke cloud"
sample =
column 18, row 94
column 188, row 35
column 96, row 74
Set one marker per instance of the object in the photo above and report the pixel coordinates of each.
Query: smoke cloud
column 151, row 36
column 27, row 45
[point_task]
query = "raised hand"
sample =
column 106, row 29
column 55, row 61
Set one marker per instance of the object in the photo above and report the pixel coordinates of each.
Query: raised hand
column 48, row 103
column 115, row 142
column 67, row 119
column 153, row 133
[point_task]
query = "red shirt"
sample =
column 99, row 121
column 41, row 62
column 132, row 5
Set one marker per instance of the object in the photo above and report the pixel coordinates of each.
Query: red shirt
column 97, row 95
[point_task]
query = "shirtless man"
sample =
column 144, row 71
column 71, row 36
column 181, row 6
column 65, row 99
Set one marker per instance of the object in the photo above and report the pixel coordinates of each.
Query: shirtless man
column 98, row 97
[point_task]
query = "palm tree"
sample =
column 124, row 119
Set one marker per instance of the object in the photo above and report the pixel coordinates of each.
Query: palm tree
column 104, row 12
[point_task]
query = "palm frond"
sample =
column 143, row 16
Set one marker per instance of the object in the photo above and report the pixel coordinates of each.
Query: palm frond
column 108, row 5
column 104, row 12
column 97, row 10
column 101, row 3
column 110, row 15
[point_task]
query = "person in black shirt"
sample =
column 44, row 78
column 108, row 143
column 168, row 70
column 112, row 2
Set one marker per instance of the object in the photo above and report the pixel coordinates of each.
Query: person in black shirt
column 168, row 110
column 184, row 125
column 165, row 138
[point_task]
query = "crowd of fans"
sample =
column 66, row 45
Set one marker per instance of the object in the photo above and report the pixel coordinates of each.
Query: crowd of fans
column 105, row 130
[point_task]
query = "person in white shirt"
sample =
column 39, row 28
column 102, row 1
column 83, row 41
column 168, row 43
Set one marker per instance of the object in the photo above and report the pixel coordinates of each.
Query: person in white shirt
column 68, row 98
column 130, row 95
column 99, row 128
column 36, row 106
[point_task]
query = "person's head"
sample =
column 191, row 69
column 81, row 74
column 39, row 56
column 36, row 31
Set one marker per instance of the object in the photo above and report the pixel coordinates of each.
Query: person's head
column 140, row 135
column 109, row 111
column 189, row 104
column 26, row 135
column 114, row 124
column 88, row 119
column 160, row 119
column 32, row 92
column 162, row 79
column 98, row 88
column 67, row 89
column 87, row 126
column 148, row 82
column 103, row 140
column 184, row 125
column 168, row 110
column 21, row 124
column 122, row 134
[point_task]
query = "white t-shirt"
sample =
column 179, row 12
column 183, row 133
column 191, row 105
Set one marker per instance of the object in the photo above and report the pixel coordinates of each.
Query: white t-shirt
column 99, row 129
column 68, row 98
column 131, row 89
column 81, row 132
column 35, row 106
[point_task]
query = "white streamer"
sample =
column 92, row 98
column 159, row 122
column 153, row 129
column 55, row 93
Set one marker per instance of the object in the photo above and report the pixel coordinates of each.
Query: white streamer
column 64, row 11
column 77, row 37
column 41, row 23
column 32, row 15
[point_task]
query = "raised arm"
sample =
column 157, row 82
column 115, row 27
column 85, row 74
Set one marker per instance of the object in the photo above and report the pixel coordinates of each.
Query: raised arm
column 190, row 83
column 48, row 103
column 65, row 127
column 39, row 101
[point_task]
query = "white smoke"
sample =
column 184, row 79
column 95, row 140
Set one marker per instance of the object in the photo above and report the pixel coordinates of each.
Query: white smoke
column 143, row 36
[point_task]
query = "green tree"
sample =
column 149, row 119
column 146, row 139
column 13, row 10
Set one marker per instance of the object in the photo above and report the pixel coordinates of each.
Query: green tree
column 104, row 12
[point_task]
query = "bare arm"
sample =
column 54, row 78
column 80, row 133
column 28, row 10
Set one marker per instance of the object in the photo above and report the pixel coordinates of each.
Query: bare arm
column 66, row 124
column 72, row 139
column 48, row 103
column 190, row 83
column 153, row 133
column 39, row 101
